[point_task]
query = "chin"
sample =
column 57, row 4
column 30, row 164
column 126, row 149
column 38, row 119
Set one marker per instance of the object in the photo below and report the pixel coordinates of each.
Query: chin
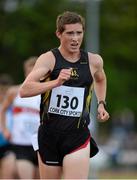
column 74, row 50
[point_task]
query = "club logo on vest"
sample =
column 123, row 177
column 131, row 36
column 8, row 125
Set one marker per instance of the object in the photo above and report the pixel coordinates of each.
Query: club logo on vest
column 74, row 73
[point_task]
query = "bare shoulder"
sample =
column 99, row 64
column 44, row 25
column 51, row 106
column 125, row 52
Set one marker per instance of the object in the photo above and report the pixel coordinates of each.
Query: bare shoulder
column 46, row 60
column 46, row 55
column 95, row 60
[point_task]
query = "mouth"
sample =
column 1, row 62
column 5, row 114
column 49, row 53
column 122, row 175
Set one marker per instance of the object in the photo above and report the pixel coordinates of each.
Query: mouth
column 74, row 45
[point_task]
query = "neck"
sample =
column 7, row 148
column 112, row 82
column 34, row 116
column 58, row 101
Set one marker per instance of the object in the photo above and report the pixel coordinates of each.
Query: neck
column 70, row 56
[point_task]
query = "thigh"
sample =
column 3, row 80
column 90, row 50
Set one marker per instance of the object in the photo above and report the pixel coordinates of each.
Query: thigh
column 8, row 161
column 76, row 164
column 25, row 169
column 49, row 172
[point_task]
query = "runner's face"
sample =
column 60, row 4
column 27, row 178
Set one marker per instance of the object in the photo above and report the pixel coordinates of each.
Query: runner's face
column 72, row 37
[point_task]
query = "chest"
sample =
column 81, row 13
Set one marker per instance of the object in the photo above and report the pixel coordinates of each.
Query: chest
column 80, row 74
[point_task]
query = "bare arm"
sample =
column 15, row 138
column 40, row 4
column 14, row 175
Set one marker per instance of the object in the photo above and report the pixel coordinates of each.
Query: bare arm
column 100, row 83
column 7, row 102
column 44, row 64
column 99, row 80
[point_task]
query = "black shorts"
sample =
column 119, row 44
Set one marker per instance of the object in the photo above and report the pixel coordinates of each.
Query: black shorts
column 26, row 153
column 53, row 146
column 5, row 150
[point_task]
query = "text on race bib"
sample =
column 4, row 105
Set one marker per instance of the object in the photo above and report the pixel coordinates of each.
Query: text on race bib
column 66, row 101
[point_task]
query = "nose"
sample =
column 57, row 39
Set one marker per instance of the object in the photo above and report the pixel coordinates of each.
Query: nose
column 75, row 37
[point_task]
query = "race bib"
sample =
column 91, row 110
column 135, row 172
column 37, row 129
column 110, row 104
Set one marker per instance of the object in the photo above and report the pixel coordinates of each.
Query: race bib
column 67, row 101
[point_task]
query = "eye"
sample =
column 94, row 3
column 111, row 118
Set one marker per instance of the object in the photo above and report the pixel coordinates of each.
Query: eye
column 79, row 32
column 70, row 33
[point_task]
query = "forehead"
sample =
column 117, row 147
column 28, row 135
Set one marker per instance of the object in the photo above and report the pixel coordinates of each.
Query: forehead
column 73, row 27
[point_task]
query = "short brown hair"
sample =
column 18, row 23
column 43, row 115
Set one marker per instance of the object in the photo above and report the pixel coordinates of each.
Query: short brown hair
column 69, row 18
column 6, row 79
column 30, row 61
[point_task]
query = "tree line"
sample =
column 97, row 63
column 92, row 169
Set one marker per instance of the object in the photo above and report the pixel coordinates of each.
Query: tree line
column 28, row 29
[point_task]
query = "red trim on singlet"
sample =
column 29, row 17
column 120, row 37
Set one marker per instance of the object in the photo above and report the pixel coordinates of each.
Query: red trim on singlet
column 24, row 109
column 82, row 146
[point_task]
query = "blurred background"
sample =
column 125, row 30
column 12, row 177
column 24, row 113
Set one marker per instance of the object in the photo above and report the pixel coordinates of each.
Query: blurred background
column 27, row 28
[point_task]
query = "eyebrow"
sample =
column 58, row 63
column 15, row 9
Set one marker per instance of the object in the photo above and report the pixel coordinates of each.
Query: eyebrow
column 71, row 32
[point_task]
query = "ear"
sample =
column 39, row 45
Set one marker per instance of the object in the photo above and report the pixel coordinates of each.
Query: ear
column 58, row 34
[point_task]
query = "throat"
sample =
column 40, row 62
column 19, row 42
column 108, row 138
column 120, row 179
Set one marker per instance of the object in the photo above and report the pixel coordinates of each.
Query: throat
column 71, row 57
